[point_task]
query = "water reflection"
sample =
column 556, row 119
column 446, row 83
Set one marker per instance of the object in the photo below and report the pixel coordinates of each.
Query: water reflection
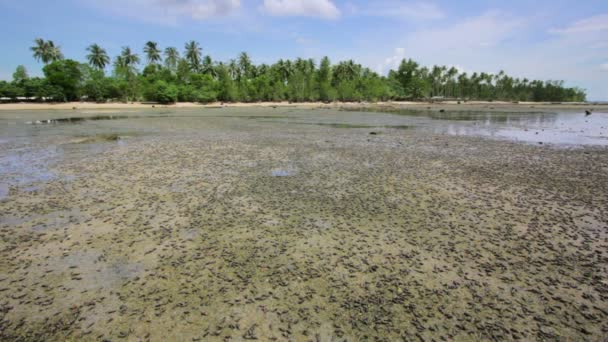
column 283, row 172
column 552, row 128
column 4, row 190
column 28, row 165
column 559, row 128
column 74, row 120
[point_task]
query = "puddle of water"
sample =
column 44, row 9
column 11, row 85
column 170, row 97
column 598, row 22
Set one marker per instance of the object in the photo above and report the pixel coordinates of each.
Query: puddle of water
column 74, row 120
column 28, row 165
column 81, row 119
column 283, row 172
column 4, row 190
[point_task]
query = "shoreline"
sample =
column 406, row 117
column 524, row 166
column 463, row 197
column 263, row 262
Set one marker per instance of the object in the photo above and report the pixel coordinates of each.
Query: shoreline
column 447, row 105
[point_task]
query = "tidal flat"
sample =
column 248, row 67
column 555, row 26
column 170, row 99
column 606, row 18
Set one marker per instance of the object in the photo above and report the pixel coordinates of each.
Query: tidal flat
column 303, row 224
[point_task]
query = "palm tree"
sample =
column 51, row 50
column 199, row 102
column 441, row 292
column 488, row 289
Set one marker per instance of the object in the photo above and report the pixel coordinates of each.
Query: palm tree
column 40, row 50
column 129, row 59
column 346, row 71
column 98, row 57
column 233, row 69
column 193, row 54
column 152, row 52
column 171, row 58
column 245, row 65
column 125, row 63
column 207, row 67
column 451, row 73
column 462, row 85
column 285, row 70
column 46, row 51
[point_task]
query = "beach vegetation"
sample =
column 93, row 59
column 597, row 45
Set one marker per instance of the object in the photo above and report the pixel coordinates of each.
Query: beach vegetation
column 169, row 76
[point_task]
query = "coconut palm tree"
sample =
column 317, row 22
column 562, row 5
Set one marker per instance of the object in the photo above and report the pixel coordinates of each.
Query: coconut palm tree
column 152, row 52
column 285, row 70
column 344, row 71
column 450, row 74
column 245, row 66
column 125, row 63
column 98, row 57
column 171, row 58
column 233, row 69
column 40, row 50
column 129, row 59
column 46, row 51
column 207, row 67
column 193, row 54
column 463, row 85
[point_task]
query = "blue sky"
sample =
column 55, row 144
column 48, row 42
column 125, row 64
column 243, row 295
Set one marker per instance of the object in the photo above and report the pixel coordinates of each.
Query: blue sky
column 558, row 39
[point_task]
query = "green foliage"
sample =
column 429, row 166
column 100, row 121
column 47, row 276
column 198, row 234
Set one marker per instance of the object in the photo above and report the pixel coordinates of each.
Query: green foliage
column 46, row 51
column 162, row 92
column 10, row 90
column 96, row 86
column 20, row 75
column 152, row 53
column 227, row 91
column 171, row 58
column 97, row 57
column 193, row 54
column 202, row 88
column 197, row 78
column 66, row 75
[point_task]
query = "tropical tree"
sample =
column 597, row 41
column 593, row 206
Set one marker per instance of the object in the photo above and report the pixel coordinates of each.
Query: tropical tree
column 197, row 78
column 324, row 80
column 127, row 58
column 97, row 57
column 245, row 66
column 171, row 58
column 451, row 73
column 208, row 67
column 46, row 51
column 125, row 70
column 152, row 52
column 193, row 54
column 66, row 75
column 20, row 75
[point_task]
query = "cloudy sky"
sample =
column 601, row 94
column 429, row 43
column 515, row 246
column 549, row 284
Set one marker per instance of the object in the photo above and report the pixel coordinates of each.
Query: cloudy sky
column 546, row 39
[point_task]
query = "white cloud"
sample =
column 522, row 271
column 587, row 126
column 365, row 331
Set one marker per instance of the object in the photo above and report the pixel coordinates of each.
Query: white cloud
column 305, row 8
column 461, row 43
column 593, row 24
column 486, row 30
column 604, row 67
column 170, row 11
column 404, row 10
column 391, row 62
column 400, row 54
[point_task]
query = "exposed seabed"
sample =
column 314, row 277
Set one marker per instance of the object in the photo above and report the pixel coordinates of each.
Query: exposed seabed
column 248, row 224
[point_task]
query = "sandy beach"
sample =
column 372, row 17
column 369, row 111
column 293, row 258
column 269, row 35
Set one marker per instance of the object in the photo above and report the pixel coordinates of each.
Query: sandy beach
column 446, row 105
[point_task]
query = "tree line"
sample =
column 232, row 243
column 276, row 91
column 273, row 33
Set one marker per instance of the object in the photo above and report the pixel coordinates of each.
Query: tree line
column 169, row 76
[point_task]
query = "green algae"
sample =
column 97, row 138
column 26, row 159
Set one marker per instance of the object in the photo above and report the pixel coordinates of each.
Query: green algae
column 186, row 234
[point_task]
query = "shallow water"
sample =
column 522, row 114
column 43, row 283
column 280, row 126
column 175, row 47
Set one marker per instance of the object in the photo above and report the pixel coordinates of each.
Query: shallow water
column 560, row 129
column 298, row 224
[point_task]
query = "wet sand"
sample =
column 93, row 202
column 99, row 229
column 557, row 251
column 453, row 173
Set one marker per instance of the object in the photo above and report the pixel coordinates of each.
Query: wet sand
column 446, row 105
column 241, row 228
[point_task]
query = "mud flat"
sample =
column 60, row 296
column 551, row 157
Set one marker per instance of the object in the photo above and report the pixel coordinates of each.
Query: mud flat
column 299, row 224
